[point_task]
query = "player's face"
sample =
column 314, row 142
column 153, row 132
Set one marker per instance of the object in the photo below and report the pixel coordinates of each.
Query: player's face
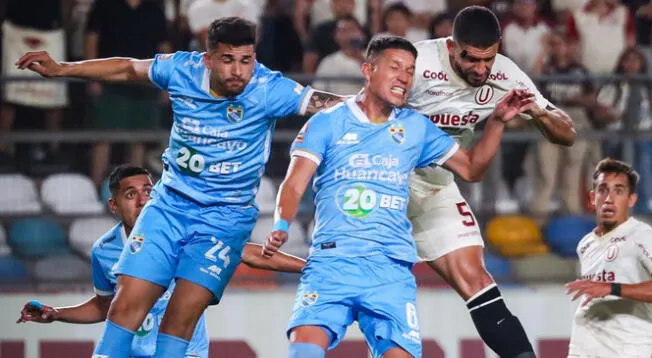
column 131, row 198
column 612, row 199
column 473, row 64
column 231, row 68
column 390, row 77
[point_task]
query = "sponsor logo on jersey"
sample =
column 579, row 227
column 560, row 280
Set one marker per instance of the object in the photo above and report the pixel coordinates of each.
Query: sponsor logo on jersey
column 234, row 112
column 612, row 252
column 603, row 276
column 397, row 132
column 136, row 244
column 363, row 160
column 499, row 76
column 432, row 75
column 349, row 138
column 439, row 93
column 583, row 249
column 484, row 94
column 454, row 120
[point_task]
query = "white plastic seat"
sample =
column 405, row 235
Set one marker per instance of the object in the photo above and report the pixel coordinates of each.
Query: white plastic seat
column 64, row 267
column 18, row 195
column 85, row 231
column 266, row 196
column 71, row 194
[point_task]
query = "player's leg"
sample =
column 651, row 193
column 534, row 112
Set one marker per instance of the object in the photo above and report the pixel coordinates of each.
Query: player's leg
column 145, row 269
column 448, row 238
column 215, row 239
column 309, row 342
column 388, row 309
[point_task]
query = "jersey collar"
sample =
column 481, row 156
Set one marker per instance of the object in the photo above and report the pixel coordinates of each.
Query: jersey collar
column 616, row 231
column 359, row 114
column 123, row 234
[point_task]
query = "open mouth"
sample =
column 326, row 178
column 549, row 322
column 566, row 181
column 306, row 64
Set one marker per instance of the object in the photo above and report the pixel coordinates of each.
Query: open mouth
column 398, row 90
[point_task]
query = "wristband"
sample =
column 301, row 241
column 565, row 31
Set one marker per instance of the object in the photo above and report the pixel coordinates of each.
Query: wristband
column 36, row 304
column 282, row 225
column 615, row 289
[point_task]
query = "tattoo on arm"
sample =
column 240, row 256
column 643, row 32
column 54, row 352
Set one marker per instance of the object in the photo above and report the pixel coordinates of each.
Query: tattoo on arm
column 321, row 100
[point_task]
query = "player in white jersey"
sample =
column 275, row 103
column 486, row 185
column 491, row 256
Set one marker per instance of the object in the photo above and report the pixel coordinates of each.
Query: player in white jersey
column 457, row 83
column 614, row 318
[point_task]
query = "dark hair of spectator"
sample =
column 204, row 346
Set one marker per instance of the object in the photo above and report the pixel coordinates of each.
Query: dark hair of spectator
column 476, row 26
column 396, row 7
column 613, row 166
column 121, row 172
column 234, row 31
column 437, row 20
column 379, row 44
column 352, row 19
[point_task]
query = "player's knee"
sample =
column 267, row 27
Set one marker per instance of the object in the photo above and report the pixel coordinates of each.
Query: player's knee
column 306, row 350
column 133, row 301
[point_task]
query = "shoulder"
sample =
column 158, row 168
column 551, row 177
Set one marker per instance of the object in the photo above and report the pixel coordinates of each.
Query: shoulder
column 584, row 242
column 507, row 71
column 412, row 117
column 642, row 230
column 110, row 239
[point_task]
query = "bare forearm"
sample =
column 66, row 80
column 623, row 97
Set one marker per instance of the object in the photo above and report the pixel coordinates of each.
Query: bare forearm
column 484, row 151
column 639, row 292
column 556, row 126
column 91, row 311
column 107, row 69
column 288, row 201
column 282, row 262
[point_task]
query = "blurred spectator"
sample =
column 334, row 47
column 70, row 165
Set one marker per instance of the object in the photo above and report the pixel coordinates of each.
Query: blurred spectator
column 564, row 9
column 202, row 12
column 321, row 42
column 398, row 21
column 523, row 35
column 176, row 13
column 33, row 25
column 279, row 47
column 314, row 12
column 346, row 61
column 422, row 10
column 601, row 30
column 77, row 28
column 441, row 25
column 560, row 168
column 110, row 32
column 626, row 105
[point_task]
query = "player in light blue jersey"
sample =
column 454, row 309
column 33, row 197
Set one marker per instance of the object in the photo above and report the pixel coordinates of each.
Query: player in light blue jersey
column 130, row 189
column 361, row 154
column 202, row 211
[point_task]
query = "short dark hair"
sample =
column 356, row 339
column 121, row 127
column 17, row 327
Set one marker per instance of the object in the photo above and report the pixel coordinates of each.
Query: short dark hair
column 234, row 31
column 380, row 43
column 613, row 166
column 437, row 20
column 349, row 18
column 396, row 7
column 476, row 26
column 124, row 171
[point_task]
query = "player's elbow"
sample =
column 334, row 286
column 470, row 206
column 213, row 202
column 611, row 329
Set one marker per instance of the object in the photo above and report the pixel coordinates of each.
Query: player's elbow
column 251, row 255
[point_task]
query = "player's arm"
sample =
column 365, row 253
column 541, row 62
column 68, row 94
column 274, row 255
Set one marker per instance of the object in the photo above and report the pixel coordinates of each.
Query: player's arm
column 104, row 69
column 94, row 310
column 470, row 165
column 554, row 124
column 252, row 256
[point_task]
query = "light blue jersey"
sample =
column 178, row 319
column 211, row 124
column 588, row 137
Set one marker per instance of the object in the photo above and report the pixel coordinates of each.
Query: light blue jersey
column 361, row 184
column 104, row 256
column 219, row 146
column 359, row 268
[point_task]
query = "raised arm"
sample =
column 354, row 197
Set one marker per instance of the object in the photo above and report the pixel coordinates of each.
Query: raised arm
column 93, row 310
column 299, row 173
column 554, row 124
column 105, row 69
column 252, row 256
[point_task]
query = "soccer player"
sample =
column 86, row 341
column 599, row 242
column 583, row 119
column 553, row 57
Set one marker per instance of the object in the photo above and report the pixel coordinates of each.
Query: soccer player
column 362, row 153
column 130, row 189
column 614, row 318
column 458, row 81
column 202, row 210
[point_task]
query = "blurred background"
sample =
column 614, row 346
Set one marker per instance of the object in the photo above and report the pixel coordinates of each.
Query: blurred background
column 59, row 139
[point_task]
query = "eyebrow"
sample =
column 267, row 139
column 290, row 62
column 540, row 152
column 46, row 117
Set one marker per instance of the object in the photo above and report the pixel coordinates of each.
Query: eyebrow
column 465, row 54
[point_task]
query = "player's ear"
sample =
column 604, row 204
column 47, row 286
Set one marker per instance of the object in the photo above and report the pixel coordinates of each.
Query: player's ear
column 450, row 45
column 631, row 200
column 207, row 60
column 113, row 206
column 592, row 199
column 367, row 70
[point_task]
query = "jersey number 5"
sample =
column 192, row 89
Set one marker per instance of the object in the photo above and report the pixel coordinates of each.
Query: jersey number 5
column 463, row 209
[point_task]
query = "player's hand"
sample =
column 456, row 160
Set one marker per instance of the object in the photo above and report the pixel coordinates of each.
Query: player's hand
column 274, row 241
column 39, row 62
column 590, row 289
column 513, row 103
column 43, row 314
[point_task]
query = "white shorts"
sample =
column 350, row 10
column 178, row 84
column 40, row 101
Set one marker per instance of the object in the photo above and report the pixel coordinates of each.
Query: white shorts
column 442, row 222
column 16, row 41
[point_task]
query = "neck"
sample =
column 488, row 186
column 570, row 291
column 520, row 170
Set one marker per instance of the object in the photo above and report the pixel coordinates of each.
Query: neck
column 605, row 228
column 215, row 89
column 377, row 110
column 127, row 229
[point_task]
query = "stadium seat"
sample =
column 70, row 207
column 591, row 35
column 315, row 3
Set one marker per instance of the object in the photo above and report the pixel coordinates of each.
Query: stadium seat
column 63, row 267
column 71, row 194
column 85, row 231
column 34, row 238
column 564, row 233
column 498, row 267
column 515, row 235
column 5, row 250
column 544, row 268
column 18, row 195
column 12, row 269
column 266, row 196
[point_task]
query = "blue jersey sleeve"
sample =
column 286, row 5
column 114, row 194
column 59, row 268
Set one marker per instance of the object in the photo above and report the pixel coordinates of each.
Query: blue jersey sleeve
column 163, row 67
column 285, row 97
column 438, row 146
column 313, row 139
column 101, row 283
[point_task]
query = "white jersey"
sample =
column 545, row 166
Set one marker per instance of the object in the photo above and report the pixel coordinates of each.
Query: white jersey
column 454, row 105
column 615, row 326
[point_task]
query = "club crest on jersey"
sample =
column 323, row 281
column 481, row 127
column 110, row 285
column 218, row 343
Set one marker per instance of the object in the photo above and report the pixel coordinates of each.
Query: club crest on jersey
column 234, row 112
column 484, row 94
column 136, row 244
column 397, row 132
column 612, row 252
column 309, row 299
